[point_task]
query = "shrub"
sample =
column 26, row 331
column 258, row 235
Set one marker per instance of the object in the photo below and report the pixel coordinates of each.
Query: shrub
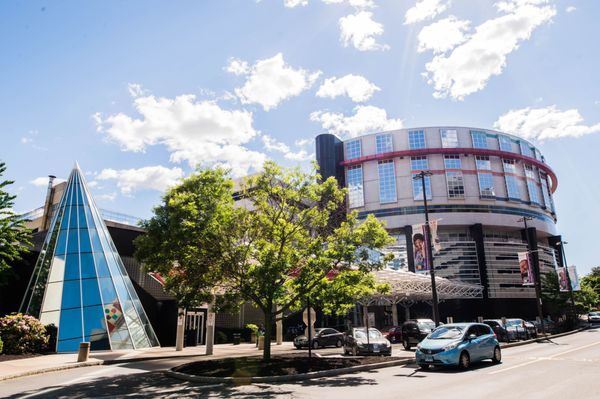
column 22, row 334
column 221, row 337
column 252, row 327
column 0, row 346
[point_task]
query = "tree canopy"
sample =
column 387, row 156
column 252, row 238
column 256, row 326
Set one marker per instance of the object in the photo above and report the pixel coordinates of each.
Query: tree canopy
column 275, row 247
column 14, row 237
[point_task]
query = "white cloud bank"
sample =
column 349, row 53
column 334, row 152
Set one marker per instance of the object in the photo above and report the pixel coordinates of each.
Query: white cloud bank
column 361, row 31
column 469, row 66
column 366, row 119
column 42, row 181
column 150, row 177
column 271, row 144
column 443, row 35
column 357, row 87
column 425, row 9
column 545, row 123
column 199, row 132
column 270, row 81
column 295, row 3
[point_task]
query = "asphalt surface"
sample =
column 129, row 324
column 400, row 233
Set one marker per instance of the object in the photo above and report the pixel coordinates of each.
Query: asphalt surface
column 565, row 367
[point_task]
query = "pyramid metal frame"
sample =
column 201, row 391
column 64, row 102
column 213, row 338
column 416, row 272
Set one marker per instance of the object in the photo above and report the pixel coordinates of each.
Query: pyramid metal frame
column 79, row 282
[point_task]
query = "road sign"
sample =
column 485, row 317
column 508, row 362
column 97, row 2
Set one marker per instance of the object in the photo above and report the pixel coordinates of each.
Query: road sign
column 313, row 316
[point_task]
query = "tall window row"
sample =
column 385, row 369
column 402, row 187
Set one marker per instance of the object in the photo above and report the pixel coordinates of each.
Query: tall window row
column 418, row 164
column 354, row 177
column 387, row 182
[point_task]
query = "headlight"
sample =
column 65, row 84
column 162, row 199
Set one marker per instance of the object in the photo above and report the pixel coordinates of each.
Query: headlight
column 419, row 346
column 451, row 346
column 387, row 343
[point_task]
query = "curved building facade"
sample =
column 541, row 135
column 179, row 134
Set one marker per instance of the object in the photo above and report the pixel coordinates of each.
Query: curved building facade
column 483, row 183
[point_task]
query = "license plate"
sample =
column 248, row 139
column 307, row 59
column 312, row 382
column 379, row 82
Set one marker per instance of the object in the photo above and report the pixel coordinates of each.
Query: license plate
column 429, row 358
column 375, row 349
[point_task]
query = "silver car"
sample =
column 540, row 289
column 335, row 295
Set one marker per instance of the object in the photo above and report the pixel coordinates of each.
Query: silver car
column 357, row 343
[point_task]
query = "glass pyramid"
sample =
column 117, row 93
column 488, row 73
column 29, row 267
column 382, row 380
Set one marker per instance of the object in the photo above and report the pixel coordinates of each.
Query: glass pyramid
column 79, row 283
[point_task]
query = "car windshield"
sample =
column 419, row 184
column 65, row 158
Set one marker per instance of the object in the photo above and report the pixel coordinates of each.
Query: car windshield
column 595, row 314
column 426, row 325
column 513, row 323
column 447, row 332
column 373, row 333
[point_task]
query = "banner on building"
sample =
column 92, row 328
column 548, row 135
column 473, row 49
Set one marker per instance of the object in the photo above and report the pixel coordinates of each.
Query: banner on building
column 525, row 268
column 420, row 248
column 574, row 278
column 563, row 281
column 433, row 228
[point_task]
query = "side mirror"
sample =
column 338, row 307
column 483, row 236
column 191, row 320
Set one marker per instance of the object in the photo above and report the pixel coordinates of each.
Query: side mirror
column 472, row 337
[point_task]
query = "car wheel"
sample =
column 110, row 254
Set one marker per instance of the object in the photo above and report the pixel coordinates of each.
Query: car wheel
column 338, row 343
column 424, row 366
column 464, row 361
column 354, row 351
column 497, row 357
column 406, row 344
column 315, row 345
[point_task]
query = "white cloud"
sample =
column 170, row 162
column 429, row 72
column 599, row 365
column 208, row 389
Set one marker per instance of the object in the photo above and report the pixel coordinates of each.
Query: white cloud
column 304, row 142
column 358, row 88
column 366, row 119
column 469, row 66
column 271, row 144
column 135, row 90
column 545, row 123
column 295, row 3
column 107, row 197
column 443, row 35
column 150, row 177
column 360, row 31
column 26, row 140
column 425, row 9
column 42, row 181
column 237, row 66
column 571, row 9
column 271, row 81
column 199, row 132
column 359, row 4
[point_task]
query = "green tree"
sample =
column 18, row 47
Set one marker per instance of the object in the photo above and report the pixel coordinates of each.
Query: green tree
column 14, row 237
column 592, row 280
column 555, row 302
column 275, row 251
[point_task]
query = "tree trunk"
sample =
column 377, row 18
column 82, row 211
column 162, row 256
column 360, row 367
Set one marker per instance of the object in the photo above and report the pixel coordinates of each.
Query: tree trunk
column 267, row 347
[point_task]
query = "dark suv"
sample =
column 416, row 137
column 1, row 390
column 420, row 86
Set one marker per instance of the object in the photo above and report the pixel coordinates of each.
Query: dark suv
column 498, row 328
column 414, row 331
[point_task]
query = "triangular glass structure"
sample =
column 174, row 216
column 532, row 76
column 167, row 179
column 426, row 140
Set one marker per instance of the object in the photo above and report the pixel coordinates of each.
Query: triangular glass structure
column 80, row 284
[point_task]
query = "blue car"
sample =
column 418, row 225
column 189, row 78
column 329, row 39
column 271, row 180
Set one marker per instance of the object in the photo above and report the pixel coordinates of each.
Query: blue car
column 458, row 344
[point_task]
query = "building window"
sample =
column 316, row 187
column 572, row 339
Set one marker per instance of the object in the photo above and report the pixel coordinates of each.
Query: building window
column 479, row 139
column 526, row 149
column 509, row 166
column 512, row 187
column 452, row 162
column 354, row 177
column 383, row 143
column 505, row 143
column 532, row 189
column 416, row 139
column 486, row 184
column 529, row 172
column 449, row 138
column 387, row 182
column 548, row 202
column 455, row 184
column 419, row 163
column 418, row 188
column 483, row 162
column 353, row 149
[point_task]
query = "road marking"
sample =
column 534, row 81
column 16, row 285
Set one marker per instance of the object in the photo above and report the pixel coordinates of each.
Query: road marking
column 553, row 357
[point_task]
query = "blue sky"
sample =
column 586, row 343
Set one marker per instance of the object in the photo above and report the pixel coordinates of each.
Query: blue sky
column 140, row 92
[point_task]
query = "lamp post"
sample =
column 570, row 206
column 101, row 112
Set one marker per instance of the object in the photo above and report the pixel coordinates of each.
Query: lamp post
column 536, row 273
column 565, row 265
column 434, row 298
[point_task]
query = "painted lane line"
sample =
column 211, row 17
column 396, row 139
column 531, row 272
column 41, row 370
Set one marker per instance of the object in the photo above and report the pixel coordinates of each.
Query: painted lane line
column 575, row 349
column 515, row 367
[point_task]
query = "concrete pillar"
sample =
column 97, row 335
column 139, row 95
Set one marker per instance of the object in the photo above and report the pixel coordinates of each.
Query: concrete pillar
column 180, row 329
column 210, row 329
column 279, row 327
column 406, row 312
column 395, row 314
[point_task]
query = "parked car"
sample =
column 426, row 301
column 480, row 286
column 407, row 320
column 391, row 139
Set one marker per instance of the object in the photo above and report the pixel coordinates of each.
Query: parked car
column 517, row 329
column 549, row 326
column 458, row 344
column 323, row 337
column 414, row 331
column 394, row 334
column 593, row 317
column 498, row 329
column 356, row 342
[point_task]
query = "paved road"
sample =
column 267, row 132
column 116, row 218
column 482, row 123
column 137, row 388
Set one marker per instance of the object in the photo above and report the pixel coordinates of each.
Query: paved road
column 564, row 368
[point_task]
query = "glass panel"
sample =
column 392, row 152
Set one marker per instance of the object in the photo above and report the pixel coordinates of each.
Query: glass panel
column 452, row 162
column 416, row 139
column 355, row 186
column 505, row 143
column 71, row 295
column 95, row 325
column 91, row 294
column 53, row 297
column 353, row 149
column 120, row 339
column 101, row 266
column 512, row 187
column 50, row 318
column 70, row 325
column 456, row 188
column 61, row 244
column 65, row 219
column 483, row 162
column 81, row 212
column 449, row 138
column 84, row 241
column 418, row 188
column 486, row 184
column 73, row 218
column 383, row 143
column 87, row 266
column 387, row 182
column 73, row 241
column 69, row 345
column 419, row 163
column 479, row 139
column 72, row 267
column 57, row 271
column 79, row 198
column 109, row 295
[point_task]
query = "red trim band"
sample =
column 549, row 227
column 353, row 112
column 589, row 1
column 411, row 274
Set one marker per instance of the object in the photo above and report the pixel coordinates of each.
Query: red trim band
column 456, row 151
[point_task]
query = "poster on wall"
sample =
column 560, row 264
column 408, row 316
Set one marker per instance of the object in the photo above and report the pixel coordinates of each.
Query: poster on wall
column 525, row 268
column 574, row 278
column 419, row 249
column 433, row 227
column 563, row 281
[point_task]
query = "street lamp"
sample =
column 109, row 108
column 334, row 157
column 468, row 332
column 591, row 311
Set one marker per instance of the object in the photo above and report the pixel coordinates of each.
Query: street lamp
column 536, row 272
column 434, row 298
column 565, row 265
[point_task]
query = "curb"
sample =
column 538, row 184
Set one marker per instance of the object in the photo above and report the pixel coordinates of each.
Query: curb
column 51, row 369
column 286, row 378
column 542, row 339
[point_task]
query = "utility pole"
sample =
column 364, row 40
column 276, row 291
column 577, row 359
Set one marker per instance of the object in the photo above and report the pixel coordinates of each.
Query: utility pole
column 434, row 298
column 536, row 273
